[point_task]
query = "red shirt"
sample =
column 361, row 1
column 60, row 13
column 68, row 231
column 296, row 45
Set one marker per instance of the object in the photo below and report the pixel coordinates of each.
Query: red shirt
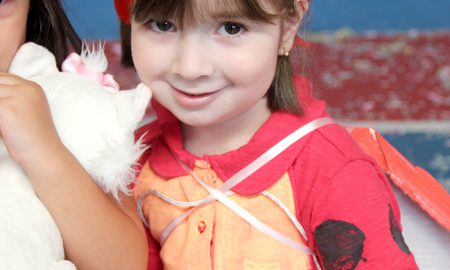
column 343, row 200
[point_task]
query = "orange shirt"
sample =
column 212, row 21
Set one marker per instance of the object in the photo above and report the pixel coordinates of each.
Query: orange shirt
column 213, row 237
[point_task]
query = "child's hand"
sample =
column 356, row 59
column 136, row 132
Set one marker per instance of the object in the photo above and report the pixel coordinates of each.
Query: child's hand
column 26, row 125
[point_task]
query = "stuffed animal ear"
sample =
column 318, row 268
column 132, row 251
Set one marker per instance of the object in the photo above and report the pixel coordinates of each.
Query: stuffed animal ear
column 32, row 60
column 131, row 105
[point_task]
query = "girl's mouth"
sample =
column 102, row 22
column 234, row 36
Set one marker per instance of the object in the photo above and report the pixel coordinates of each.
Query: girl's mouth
column 189, row 100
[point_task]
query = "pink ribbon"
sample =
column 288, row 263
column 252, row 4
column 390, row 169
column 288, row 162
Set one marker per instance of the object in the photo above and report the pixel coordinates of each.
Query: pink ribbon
column 222, row 194
column 74, row 64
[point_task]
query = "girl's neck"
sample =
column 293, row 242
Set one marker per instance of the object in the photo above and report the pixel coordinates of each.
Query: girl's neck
column 227, row 135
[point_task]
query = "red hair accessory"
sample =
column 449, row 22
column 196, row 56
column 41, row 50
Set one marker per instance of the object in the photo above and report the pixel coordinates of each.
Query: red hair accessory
column 298, row 41
column 123, row 9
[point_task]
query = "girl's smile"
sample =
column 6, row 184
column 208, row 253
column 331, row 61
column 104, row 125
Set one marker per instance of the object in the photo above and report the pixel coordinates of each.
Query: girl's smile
column 194, row 99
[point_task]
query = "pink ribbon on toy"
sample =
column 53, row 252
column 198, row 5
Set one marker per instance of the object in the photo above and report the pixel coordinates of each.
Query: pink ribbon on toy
column 74, row 64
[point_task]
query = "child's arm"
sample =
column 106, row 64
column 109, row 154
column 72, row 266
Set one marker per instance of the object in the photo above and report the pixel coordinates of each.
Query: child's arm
column 356, row 222
column 97, row 233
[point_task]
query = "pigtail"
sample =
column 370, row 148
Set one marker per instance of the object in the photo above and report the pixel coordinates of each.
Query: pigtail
column 125, row 41
column 282, row 95
column 123, row 10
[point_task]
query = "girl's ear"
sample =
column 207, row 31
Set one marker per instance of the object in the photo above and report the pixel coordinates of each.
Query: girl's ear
column 290, row 27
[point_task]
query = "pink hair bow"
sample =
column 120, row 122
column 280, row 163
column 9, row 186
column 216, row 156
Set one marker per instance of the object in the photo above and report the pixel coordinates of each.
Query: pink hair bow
column 74, row 64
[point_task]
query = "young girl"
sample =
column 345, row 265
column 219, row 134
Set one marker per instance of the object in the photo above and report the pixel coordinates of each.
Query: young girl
column 88, row 219
column 247, row 170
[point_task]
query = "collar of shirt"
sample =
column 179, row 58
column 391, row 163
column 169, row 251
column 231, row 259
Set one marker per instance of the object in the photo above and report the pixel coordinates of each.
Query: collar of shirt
column 278, row 126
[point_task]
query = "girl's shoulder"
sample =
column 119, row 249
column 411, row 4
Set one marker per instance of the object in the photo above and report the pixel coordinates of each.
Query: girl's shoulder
column 332, row 147
column 329, row 152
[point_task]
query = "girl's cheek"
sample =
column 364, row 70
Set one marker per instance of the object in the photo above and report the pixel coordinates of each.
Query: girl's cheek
column 250, row 67
column 13, row 16
column 140, row 57
column 151, row 62
column 149, row 70
column 147, row 52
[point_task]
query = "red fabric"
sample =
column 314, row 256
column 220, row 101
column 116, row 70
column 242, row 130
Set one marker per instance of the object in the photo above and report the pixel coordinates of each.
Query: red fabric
column 154, row 261
column 146, row 134
column 334, row 180
column 123, row 9
column 331, row 177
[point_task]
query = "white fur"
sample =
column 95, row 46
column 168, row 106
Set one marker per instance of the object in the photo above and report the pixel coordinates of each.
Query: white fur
column 96, row 126
column 94, row 57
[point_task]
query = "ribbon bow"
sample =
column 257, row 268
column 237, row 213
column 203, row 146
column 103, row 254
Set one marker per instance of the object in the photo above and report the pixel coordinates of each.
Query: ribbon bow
column 74, row 64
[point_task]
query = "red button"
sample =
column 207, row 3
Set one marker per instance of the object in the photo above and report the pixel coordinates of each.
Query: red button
column 201, row 226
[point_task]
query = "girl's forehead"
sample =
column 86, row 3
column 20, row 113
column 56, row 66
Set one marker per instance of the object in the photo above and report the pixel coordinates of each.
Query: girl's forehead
column 231, row 6
column 191, row 12
column 203, row 9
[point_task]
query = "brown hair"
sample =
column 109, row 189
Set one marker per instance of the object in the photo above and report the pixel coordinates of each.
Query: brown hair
column 282, row 95
column 49, row 26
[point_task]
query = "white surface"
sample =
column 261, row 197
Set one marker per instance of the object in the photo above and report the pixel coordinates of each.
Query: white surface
column 427, row 240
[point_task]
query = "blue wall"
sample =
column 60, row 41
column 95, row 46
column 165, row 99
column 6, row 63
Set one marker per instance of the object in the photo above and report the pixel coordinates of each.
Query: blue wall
column 93, row 19
column 96, row 18
column 380, row 15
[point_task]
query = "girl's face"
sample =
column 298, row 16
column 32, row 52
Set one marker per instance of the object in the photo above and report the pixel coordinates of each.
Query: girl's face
column 13, row 23
column 214, row 71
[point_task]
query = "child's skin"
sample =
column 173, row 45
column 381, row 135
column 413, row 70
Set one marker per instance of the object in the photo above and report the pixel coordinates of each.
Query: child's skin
column 230, row 64
column 13, row 21
column 97, row 233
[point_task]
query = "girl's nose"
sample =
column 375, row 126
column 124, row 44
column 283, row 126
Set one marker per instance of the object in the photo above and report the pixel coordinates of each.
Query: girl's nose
column 192, row 59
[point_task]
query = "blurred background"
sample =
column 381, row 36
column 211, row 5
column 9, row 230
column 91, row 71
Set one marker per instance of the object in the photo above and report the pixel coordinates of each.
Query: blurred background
column 384, row 64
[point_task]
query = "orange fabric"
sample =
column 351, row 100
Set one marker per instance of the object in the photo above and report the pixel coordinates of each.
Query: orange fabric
column 415, row 182
column 192, row 245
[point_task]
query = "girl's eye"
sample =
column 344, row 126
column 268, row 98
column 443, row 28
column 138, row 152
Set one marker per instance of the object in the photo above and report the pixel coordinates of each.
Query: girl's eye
column 231, row 29
column 161, row 26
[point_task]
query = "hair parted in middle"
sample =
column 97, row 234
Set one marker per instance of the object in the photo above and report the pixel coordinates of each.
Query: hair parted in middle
column 282, row 95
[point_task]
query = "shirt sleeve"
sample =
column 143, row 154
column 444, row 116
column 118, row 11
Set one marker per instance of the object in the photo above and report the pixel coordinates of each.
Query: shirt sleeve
column 356, row 222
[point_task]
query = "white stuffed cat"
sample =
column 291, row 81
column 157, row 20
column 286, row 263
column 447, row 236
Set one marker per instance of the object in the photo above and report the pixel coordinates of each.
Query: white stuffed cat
column 96, row 123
